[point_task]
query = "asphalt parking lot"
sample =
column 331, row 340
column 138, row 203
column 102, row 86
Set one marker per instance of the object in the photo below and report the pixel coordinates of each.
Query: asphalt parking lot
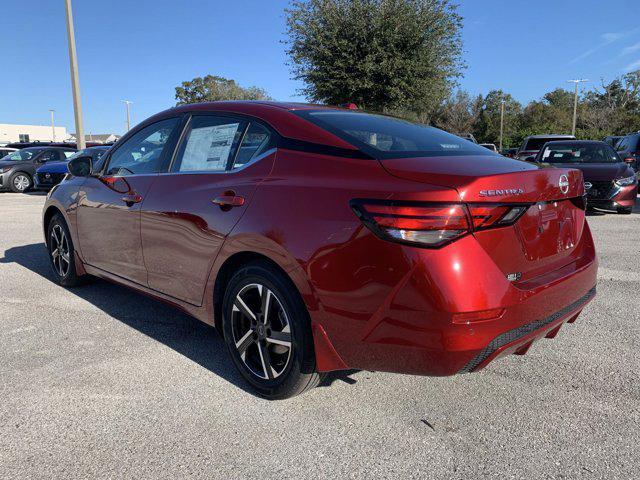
column 99, row 381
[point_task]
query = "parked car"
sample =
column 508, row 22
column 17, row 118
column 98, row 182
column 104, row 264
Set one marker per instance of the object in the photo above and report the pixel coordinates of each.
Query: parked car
column 18, row 168
column 531, row 145
column 612, row 140
column 467, row 136
column 610, row 183
column 52, row 173
column 319, row 239
column 510, row 152
column 489, row 146
column 6, row 151
column 628, row 147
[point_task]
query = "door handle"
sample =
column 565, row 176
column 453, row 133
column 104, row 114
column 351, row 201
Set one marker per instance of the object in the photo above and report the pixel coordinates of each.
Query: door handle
column 228, row 201
column 130, row 199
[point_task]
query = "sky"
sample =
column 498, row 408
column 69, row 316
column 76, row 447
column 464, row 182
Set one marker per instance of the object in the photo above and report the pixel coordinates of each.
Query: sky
column 140, row 50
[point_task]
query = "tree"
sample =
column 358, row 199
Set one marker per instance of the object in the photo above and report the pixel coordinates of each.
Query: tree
column 212, row 88
column 383, row 55
column 459, row 113
column 488, row 124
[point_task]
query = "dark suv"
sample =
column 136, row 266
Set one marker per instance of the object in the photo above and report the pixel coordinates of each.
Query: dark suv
column 628, row 148
column 18, row 168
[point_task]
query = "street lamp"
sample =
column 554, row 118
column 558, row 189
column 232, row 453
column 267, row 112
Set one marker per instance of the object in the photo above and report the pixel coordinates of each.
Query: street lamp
column 501, row 122
column 53, row 126
column 75, row 81
column 577, row 81
column 128, row 106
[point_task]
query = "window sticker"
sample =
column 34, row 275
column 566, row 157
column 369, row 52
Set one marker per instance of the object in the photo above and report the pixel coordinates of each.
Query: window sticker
column 208, row 148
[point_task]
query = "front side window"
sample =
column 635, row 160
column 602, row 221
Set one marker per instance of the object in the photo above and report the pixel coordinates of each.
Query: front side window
column 23, row 155
column 143, row 152
column 388, row 137
column 210, row 144
column 623, row 144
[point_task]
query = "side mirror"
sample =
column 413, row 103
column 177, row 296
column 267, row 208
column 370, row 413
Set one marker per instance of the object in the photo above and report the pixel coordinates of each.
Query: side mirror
column 81, row 166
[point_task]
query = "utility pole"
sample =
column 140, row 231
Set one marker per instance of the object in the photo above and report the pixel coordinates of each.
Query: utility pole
column 577, row 81
column 501, row 122
column 128, row 103
column 53, row 126
column 75, row 82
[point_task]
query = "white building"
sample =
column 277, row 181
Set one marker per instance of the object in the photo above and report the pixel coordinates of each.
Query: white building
column 10, row 133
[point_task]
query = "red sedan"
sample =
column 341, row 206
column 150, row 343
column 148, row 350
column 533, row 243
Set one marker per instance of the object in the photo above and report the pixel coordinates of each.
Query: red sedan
column 319, row 239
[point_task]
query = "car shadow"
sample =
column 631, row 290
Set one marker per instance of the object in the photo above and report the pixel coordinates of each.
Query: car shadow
column 188, row 336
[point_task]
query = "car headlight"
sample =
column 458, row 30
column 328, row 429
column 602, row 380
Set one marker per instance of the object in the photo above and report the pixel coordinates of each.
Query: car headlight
column 5, row 169
column 625, row 182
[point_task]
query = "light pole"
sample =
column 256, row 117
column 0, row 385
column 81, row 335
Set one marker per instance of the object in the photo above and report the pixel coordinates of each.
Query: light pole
column 75, row 82
column 577, row 81
column 53, row 126
column 501, row 122
column 128, row 105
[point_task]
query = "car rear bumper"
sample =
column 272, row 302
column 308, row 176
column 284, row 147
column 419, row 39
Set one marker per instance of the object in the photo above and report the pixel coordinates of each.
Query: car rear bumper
column 518, row 340
column 415, row 327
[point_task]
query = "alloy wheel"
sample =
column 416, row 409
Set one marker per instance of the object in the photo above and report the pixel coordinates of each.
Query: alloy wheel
column 59, row 248
column 261, row 331
column 21, row 182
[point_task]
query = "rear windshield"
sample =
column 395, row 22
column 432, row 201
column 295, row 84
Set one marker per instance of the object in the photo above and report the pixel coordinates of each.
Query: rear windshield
column 576, row 153
column 537, row 143
column 388, row 137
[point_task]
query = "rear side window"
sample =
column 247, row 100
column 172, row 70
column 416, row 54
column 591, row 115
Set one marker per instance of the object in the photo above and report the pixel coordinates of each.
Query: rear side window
column 387, row 137
column 210, row 144
column 256, row 141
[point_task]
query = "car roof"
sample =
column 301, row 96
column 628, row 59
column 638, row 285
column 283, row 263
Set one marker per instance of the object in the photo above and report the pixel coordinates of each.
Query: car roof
column 578, row 142
column 279, row 115
column 552, row 135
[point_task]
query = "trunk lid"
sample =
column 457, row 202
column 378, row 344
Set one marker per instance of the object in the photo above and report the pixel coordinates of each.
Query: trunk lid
column 547, row 236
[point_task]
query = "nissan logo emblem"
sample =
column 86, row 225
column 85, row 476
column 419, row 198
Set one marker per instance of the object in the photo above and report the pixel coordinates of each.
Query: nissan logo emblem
column 588, row 185
column 563, row 183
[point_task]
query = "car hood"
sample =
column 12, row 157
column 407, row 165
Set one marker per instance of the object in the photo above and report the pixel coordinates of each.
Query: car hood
column 599, row 171
column 54, row 167
column 488, row 177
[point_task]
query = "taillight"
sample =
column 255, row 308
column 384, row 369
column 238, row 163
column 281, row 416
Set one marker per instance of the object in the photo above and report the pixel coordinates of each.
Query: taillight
column 431, row 225
column 488, row 216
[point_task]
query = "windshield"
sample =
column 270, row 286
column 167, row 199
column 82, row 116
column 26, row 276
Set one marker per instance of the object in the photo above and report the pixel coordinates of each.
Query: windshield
column 537, row 143
column 96, row 153
column 22, row 155
column 574, row 153
column 387, row 137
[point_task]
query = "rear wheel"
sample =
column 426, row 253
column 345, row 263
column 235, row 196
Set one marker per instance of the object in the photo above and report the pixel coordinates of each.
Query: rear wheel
column 267, row 330
column 20, row 182
column 624, row 210
column 61, row 252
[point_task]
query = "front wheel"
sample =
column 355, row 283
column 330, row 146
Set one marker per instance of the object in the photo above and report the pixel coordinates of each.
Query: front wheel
column 267, row 330
column 61, row 252
column 20, row 182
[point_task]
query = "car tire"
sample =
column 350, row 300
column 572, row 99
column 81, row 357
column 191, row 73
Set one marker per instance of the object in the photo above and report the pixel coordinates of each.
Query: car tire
column 624, row 210
column 20, row 182
column 62, row 253
column 274, row 353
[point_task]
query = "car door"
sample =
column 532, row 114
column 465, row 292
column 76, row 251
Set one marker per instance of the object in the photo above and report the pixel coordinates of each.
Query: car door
column 108, row 203
column 192, row 208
